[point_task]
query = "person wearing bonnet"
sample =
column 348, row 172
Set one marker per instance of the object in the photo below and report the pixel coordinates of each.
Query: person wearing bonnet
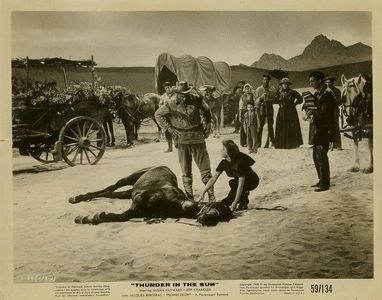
column 288, row 131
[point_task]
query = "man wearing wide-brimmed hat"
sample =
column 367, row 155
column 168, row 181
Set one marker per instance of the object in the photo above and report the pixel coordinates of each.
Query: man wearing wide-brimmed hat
column 329, row 81
column 323, row 128
column 165, row 98
column 264, row 97
column 188, row 118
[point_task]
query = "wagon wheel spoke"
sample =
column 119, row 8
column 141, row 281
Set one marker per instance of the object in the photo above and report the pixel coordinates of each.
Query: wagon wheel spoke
column 71, row 138
column 79, row 129
column 90, row 128
column 75, row 155
column 87, row 155
column 75, row 134
column 91, row 151
column 95, row 147
column 71, row 144
column 96, row 140
column 81, row 155
column 91, row 133
column 84, row 128
column 72, row 150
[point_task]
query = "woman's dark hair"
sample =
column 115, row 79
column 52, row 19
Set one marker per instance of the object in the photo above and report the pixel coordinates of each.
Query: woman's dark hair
column 232, row 149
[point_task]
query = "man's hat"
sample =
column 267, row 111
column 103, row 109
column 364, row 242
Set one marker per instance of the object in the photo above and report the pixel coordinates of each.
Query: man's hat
column 242, row 81
column 251, row 103
column 267, row 76
column 285, row 80
column 331, row 78
column 183, row 88
column 167, row 84
column 317, row 74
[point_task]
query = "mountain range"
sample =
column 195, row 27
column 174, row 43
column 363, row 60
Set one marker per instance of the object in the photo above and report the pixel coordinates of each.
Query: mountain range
column 321, row 52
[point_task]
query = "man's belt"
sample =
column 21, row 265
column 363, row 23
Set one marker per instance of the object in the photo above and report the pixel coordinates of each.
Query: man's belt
column 198, row 127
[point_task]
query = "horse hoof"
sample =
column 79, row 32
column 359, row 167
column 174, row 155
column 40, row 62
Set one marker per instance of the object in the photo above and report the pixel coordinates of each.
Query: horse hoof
column 73, row 200
column 368, row 170
column 354, row 169
column 82, row 220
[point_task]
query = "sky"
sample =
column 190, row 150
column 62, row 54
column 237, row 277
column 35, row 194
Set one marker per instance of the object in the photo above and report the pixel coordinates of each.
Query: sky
column 123, row 39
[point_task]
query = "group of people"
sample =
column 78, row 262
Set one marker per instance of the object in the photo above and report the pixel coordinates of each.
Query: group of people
column 256, row 110
column 186, row 120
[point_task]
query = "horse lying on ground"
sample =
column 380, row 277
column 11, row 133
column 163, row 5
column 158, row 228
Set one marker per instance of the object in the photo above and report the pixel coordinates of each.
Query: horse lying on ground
column 357, row 115
column 155, row 194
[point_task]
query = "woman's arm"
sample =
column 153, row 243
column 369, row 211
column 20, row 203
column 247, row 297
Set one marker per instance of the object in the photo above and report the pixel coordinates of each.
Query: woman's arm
column 210, row 184
column 239, row 191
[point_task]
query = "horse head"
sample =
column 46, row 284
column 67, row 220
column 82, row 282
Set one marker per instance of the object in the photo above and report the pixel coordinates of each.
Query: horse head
column 352, row 95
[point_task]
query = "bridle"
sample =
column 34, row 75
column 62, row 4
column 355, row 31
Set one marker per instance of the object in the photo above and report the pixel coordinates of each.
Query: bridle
column 351, row 111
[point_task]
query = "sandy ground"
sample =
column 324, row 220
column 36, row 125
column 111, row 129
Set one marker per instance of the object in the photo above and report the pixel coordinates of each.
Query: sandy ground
column 320, row 235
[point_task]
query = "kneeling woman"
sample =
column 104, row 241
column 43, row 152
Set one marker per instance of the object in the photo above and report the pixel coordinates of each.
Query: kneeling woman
column 237, row 165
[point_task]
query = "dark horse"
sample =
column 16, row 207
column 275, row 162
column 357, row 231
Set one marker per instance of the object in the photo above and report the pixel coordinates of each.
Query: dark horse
column 155, row 194
column 132, row 110
column 215, row 103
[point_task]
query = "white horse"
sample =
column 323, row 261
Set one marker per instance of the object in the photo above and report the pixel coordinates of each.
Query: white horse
column 356, row 115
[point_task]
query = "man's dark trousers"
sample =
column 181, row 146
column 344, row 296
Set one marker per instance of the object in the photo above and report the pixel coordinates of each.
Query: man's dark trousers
column 320, row 158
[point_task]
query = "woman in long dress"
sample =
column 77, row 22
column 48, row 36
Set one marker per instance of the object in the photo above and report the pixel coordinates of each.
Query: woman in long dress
column 288, row 131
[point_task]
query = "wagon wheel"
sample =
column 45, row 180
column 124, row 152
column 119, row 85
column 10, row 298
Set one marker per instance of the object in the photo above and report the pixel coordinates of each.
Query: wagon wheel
column 42, row 152
column 83, row 141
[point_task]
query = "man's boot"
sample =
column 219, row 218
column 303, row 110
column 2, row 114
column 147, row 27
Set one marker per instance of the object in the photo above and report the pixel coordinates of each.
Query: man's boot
column 187, row 184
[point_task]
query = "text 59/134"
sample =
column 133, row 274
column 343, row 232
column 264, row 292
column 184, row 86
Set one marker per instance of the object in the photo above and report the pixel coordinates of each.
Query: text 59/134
column 321, row 288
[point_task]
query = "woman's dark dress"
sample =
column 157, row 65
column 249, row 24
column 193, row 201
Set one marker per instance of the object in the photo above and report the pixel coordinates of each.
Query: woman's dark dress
column 288, row 131
column 240, row 167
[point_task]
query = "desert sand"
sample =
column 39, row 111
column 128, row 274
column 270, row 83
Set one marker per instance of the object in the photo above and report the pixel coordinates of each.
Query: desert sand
column 320, row 235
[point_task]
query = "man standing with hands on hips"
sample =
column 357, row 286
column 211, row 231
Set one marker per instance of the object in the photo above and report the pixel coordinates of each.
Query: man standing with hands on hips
column 188, row 118
column 323, row 131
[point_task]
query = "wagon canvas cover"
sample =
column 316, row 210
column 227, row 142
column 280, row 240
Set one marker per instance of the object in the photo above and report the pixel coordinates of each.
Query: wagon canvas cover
column 198, row 71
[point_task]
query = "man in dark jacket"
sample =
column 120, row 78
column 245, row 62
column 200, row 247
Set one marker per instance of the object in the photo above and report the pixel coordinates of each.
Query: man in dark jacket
column 323, row 128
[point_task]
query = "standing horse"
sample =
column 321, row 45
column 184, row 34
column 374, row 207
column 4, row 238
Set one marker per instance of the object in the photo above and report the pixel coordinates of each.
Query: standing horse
column 132, row 110
column 215, row 103
column 357, row 115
